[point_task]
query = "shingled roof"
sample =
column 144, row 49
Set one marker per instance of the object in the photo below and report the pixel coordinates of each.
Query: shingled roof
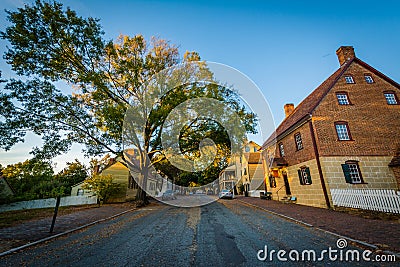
column 311, row 102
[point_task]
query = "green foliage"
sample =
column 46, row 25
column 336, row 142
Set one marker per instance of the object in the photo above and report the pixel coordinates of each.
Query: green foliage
column 50, row 43
column 31, row 179
column 103, row 186
column 75, row 172
column 35, row 179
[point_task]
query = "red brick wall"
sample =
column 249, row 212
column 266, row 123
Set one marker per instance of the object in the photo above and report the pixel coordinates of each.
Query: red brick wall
column 292, row 155
column 374, row 125
column 396, row 171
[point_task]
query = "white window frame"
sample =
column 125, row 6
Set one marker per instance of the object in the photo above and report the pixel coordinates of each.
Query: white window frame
column 368, row 79
column 349, row 79
column 299, row 141
column 390, row 98
column 342, row 98
column 342, row 131
column 281, row 149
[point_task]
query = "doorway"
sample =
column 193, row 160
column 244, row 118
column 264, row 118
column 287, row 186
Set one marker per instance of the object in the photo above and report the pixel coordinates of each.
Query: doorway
column 286, row 182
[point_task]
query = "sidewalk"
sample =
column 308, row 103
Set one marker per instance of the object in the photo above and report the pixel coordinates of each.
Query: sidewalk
column 383, row 234
column 35, row 230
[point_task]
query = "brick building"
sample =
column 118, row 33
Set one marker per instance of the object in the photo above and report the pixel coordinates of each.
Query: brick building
column 344, row 135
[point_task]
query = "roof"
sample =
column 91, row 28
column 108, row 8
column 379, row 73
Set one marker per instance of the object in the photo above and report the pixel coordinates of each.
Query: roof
column 254, row 158
column 7, row 184
column 311, row 102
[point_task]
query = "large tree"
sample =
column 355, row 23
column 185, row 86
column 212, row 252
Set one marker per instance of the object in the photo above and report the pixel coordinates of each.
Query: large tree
column 51, row 44
column 32, row 179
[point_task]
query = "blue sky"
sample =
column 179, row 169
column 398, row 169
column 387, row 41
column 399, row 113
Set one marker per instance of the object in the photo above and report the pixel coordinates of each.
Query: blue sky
column 286, row 47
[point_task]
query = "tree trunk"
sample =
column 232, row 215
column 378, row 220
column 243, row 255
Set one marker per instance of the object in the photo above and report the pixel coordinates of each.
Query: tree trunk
column 141, row 193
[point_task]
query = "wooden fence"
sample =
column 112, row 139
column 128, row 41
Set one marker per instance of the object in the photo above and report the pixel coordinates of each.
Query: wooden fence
column 368, row 199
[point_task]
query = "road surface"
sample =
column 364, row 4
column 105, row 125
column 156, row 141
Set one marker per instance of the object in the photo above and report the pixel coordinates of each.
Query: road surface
column 224, row 233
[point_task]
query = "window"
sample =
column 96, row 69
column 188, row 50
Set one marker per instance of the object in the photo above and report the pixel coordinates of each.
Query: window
column 342, row 131
column 281, row 150
column 368, row 78
column 272, row 181
column 247, row 149
column 255, row 149
column 152, row 186
column 352, row 173
column 349, row 79
column 343, row 98
column 245, row 171
column 80, row 192
column 299, row 142
column 304, row 176
column 391, row 98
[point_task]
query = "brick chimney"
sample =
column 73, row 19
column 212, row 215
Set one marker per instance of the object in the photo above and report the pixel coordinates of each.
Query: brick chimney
column 345, row 53
column 288, row 109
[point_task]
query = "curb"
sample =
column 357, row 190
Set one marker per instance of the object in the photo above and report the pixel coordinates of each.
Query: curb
column 277, row 214
column 359, row 242
column 61, row 234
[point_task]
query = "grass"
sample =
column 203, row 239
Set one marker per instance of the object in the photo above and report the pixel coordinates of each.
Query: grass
column 12, row 218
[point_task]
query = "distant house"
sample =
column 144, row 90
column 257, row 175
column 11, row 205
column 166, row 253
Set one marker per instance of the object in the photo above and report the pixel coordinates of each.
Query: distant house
column 345, row 135
column 77, row 190
column 121, row 174
column 245, row 171
column 5, row 188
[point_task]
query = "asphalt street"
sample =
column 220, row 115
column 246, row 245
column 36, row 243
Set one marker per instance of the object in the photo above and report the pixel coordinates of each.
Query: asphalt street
column 224, row 233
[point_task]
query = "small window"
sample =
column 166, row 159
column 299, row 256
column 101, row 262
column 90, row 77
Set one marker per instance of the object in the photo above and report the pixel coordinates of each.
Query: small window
column 368, row 78
column 80, row 192
column 152, row 187
column 343, row 98
column 281, row 150
column 247, row 149
column 245, row 171
column 391, row 98
column 352, row 173
column 349, row 79
column 272, row 181
column 342, row 131
column 255, row 149
column 304, row 176
column 299, row 142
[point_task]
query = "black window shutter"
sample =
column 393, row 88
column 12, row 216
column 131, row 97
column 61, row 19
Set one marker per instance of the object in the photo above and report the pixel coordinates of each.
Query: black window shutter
column 308, row 175
column 346, row 172
column 300, row 177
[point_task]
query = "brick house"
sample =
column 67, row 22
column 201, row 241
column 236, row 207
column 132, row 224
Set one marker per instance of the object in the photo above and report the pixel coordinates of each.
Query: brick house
column 344, row 135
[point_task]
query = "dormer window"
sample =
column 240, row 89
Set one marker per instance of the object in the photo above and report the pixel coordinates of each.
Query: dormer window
column 281, row 150
column 349, row 79
column 368, row 78
column 343, row 98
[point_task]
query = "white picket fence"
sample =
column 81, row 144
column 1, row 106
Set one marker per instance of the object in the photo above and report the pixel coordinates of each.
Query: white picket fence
column 49, row 203
column 368, row 199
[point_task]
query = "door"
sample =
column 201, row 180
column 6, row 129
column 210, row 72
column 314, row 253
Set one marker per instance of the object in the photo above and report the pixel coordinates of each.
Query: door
column 287, row 186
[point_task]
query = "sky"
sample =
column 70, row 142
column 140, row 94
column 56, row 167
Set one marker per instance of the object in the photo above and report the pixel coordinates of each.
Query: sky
column 287, row 48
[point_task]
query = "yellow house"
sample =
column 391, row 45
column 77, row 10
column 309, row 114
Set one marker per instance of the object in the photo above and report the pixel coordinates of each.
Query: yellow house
column 121, row 175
